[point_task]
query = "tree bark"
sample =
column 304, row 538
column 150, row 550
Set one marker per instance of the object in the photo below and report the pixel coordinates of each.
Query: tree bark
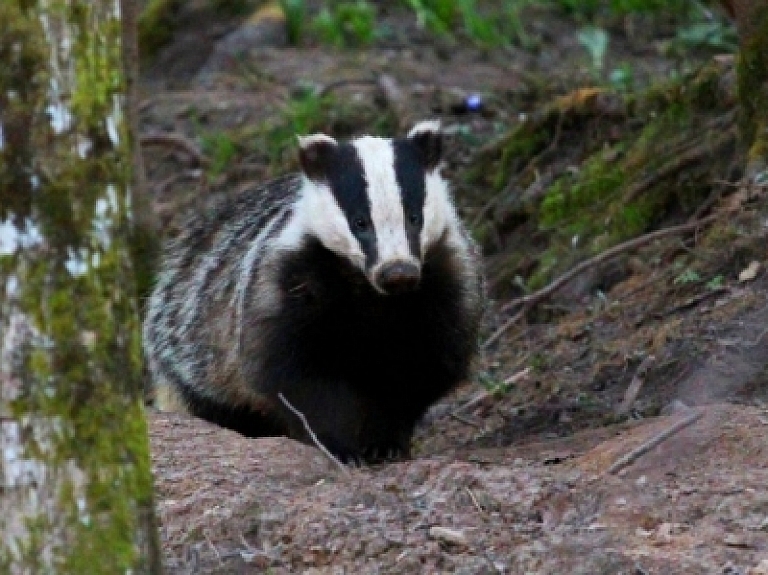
column 145, row 236
column 751, row 18
column 75, row 480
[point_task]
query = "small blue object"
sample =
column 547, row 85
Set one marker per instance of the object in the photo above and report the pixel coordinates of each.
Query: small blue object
column 473, row 103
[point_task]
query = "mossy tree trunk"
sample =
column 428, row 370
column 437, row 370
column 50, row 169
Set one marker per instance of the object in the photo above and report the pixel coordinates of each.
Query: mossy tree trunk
column 75, row 481
column 752, row 22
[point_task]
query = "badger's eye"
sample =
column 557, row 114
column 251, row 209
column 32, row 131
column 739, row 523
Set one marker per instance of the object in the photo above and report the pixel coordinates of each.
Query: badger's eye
column 414, row 219
column 361, row 224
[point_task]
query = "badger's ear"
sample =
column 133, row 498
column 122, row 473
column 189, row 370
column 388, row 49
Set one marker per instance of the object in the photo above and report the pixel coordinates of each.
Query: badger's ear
column 428, row 139
column 315, row 153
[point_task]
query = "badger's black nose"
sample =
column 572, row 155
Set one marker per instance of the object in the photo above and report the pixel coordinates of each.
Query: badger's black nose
column 398, row 277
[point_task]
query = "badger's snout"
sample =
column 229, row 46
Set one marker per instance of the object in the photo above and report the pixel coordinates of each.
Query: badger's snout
column 397, row 277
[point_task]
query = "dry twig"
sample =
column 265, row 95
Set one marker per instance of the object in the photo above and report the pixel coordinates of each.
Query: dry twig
column 175, row 141
column 464, row 420
column 331, row 86
column 215, row 551
column 474, row 500
column 655, row 441
column 311, row 433
column 527, row 302
column 635, row 385
column 519, row 376
column 473, row 401
column 391, row 93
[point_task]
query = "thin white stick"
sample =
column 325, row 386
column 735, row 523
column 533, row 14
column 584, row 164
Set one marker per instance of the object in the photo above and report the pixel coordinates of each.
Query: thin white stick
column 311, row 433
column 520, row 375
column 474, row 499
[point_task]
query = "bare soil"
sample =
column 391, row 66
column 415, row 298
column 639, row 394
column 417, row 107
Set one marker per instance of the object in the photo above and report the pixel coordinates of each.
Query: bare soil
column 514, row 482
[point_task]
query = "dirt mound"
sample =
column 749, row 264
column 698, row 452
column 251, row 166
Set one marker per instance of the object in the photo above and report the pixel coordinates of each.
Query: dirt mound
column 694, row 504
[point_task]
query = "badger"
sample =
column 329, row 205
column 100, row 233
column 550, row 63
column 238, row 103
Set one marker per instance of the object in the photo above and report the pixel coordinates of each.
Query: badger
column 350, row 292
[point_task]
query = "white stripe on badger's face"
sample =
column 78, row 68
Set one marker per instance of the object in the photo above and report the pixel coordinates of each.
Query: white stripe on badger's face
column 318, row 214
column 378, row 160
column 439, row 213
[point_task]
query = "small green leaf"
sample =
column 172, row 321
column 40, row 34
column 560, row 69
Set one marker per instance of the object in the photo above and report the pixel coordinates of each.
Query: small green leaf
column 595, row 41
column 687, row 277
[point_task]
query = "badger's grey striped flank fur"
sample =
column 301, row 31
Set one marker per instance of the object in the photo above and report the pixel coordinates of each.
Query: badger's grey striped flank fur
column 352, row 289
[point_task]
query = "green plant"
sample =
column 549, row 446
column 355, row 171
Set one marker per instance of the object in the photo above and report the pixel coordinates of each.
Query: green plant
column 587, row 400
column 303, row 114
column 500, row 25
column 595, row 42
column 714, row 34
column 221, row 148
column 589, row 9
column 539, row 362
column 347, row 23
column 623, row 77
column 716, row 282
column 310, row 111
column 295, row 12
column 513, row 25
column 688, row 276
column 493, row 384
column 481, row 29
column 437, row 16
column 598, row 182
column 623, row 7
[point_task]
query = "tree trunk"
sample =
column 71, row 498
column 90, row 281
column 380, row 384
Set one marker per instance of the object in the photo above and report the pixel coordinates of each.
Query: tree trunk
column 752, row 23
column 75, row 481
column 145, row 228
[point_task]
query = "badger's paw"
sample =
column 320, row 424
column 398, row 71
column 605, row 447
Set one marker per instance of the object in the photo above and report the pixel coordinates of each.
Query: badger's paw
column 373, row 454
column 385, row 453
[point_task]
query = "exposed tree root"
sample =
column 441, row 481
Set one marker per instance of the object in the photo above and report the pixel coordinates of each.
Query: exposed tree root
column 178, row 142
column 654, row 442
column 524, row 304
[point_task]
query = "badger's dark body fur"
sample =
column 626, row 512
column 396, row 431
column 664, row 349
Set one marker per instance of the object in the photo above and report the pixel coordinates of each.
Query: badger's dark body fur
column 235, row 321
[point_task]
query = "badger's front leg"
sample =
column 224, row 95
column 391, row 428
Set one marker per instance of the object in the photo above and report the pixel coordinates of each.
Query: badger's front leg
column 351, row 427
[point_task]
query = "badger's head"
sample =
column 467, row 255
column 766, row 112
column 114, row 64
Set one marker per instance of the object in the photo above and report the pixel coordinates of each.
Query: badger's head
column 379, row 203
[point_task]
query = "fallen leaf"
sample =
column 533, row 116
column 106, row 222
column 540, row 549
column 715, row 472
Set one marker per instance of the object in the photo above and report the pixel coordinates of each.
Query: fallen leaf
column 750, row 272
column 448, row 535
column 732, row 540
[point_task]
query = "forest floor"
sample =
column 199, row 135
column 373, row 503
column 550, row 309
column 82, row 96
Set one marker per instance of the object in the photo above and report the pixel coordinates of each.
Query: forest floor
column 521, row 470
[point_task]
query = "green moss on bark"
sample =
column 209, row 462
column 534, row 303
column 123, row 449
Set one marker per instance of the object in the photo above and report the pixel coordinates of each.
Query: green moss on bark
column 753, row 89
column 68, row 282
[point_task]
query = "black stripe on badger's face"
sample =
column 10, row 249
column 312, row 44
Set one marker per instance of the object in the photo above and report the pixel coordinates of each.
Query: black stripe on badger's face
column 337, row 204
column 350, row 189
column 411, row 177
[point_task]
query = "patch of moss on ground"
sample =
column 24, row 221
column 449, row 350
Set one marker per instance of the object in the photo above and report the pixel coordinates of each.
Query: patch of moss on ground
column 625, row 190
column 569, row 201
